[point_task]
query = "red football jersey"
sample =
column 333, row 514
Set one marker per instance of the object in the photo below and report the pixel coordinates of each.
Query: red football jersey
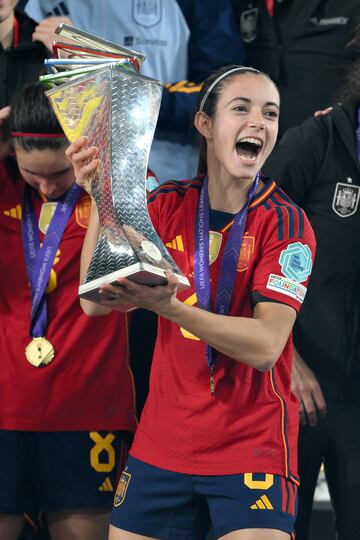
column 251, row 423
column 88, row 385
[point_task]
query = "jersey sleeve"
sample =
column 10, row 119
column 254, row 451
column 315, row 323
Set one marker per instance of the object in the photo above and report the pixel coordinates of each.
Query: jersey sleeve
column 161, row 203
column 296, row 161
column 214, row 42
column 286, row 258
column 152, row 206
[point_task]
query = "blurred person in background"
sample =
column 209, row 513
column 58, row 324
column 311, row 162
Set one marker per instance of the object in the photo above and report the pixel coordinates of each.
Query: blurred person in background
column 318, row 165
column 21, row 58
column 301, row 45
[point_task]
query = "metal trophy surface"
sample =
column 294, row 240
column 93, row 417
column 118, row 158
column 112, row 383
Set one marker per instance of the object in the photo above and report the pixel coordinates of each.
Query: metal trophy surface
column 117, row 108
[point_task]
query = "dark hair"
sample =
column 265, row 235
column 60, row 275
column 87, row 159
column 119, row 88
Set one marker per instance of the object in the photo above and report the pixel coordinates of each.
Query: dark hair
column 31, row 112
column 209, row 106
column 350, row 88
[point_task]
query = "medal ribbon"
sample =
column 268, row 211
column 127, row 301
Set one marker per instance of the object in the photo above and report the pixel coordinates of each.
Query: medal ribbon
column 39, row 260
column 229, row 260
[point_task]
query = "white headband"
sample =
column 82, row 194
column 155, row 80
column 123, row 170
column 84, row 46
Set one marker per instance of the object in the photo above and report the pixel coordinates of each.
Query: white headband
column 212, row 86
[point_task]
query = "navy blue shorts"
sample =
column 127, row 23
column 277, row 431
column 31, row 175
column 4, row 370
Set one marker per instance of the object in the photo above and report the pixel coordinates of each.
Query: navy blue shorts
column 52, row 472
column 167, row 505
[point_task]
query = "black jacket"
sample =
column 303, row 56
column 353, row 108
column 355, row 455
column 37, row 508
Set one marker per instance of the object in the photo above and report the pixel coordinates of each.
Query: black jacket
column 301, row 48
column 317, row 165
column 22, row 64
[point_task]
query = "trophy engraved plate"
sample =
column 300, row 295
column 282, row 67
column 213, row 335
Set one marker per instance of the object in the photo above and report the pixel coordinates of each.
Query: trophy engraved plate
column 117, row 108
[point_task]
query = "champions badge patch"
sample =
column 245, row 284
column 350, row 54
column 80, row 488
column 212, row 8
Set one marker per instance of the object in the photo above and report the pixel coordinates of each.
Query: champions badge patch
column 215, row 241
column 295, row 261
column 46, row 214
column 248, row 24
column 286, row 286
column 147, row 13
column 122, row 488
column 346, row 199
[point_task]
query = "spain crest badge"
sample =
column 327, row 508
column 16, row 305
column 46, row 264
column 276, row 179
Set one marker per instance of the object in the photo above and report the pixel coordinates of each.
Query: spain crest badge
column 122, row 488
column 346, row 199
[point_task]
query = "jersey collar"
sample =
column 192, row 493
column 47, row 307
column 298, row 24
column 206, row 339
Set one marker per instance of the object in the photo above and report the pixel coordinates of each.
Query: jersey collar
column 261, row 197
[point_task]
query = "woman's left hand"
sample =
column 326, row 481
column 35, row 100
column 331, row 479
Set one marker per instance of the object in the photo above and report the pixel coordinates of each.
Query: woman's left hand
column 161, row 299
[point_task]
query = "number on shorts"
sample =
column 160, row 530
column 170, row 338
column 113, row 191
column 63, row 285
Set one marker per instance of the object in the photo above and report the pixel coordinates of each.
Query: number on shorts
column 103, row 445
column 258, row 484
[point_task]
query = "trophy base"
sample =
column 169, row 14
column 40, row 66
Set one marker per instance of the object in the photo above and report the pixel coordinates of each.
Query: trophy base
column 142, row 273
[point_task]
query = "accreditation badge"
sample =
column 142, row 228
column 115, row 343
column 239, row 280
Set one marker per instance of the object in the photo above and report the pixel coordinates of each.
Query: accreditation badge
column 39, row 352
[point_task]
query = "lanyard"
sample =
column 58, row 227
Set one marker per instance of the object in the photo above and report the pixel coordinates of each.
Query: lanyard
column 229, row 261
column 270, row 6
column 39, row 260
column 16, row 31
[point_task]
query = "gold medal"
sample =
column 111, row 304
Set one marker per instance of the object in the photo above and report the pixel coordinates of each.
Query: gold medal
column 39, row 352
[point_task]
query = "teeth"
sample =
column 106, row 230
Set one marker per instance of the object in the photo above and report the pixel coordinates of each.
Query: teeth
column 251, row 140
column 247, row 159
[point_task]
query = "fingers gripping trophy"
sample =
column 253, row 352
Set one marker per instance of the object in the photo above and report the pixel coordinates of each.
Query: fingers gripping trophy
column 117, row 109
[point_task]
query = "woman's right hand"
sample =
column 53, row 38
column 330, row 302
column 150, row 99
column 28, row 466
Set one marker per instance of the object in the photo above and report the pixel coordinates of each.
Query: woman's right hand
column 83, row 159
column 307, row 389
column 45, row 31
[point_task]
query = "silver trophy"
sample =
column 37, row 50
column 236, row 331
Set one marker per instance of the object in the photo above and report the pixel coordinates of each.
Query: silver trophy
column 117, row 108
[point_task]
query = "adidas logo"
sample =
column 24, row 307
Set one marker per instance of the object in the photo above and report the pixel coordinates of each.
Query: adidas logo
column 262, row 504
column 106, row 485
column 14, row 212
column 176, row 244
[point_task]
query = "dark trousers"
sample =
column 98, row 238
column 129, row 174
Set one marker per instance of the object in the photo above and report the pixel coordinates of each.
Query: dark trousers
column 143, row 329
column 336, row 442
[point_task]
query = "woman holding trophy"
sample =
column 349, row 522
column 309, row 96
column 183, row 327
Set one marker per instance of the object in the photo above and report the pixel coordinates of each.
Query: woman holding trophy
column 217, row 438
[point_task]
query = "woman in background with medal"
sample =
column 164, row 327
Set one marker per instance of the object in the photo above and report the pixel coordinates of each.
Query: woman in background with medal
column 217, row 437
column 66, row 395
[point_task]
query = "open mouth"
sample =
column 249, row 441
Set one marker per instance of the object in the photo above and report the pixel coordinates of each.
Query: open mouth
column 248, row 148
